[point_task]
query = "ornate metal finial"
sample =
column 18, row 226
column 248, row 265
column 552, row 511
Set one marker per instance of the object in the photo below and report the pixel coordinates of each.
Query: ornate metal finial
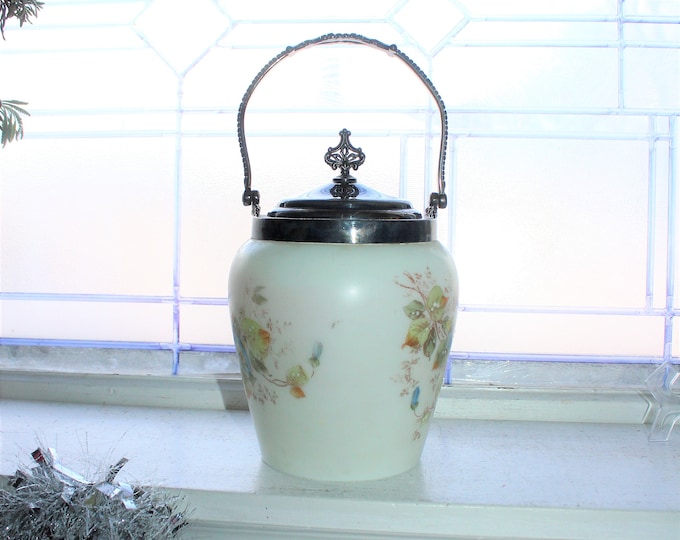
column 344, row 156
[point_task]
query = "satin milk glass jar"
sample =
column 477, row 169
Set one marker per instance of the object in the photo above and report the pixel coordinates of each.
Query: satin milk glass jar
column 343, row 308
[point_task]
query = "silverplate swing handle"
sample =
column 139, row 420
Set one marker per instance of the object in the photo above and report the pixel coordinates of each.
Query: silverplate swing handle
column 252, row 197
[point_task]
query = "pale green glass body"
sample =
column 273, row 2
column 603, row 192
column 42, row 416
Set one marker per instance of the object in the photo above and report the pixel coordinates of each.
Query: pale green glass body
column 343, row 349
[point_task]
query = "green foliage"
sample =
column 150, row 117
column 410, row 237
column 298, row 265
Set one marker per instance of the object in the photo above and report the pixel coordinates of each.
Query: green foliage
column 11, row 125
column 22, row 10
column 431, row 327
column 256, row 341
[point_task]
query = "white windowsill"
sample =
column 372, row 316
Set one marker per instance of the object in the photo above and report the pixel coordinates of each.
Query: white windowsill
column 493, row 467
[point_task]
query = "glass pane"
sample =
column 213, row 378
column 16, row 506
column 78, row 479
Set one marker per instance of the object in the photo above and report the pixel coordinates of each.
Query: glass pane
column 559, row 334
column 304, row 9
column 97, row 321
column 651, row 8
column 90, row 216
column 533, row 8
column 206, row 325
column 551, row 222
column 200, row 27
column 214, row 221
column 539, row 31
column 429, row 21
column 652, row 33
column 528, row 77
column 121, row 208
column 652, row 78
column 90, row 80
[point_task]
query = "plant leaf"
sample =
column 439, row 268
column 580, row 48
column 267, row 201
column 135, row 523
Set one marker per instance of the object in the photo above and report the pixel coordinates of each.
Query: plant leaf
column 11, row 124
column 430, row 342
column 255, row 338
column 22, row 10
column 417, row 333
column 257, row 297
column 436, row 299
column 443, row 349
column 297, row 392
column 414, row 310
column 414, row 398
column 315, row 359
column 297, row 376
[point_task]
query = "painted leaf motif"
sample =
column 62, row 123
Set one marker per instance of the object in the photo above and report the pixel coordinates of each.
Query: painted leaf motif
column 430, row 342
column 436, row 302
column 257, row 297
column 259, row 365
column 447, row 323
column 317, row 349
column 256, row 338
column 414, row 310
column 418, row 332
column 297, row 392
column 297, row 376
column 443, row 350
column 246, row 365
column 414, row 398
column 439, row 313
column 434, row 299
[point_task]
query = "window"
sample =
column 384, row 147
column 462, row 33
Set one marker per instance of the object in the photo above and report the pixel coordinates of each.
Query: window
column 121, row 208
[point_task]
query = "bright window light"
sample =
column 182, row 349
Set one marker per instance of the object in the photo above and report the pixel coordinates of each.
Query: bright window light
column 121, row 207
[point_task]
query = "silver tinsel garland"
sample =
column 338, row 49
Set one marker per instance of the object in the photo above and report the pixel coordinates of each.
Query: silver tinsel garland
column 49, row 501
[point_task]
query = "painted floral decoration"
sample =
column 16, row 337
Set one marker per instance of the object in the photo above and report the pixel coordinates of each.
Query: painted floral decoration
column 429, row 337
column 431, row 328
column 259, row 363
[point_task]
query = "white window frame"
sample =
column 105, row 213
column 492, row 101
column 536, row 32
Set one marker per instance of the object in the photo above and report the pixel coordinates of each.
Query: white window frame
column 467, row 367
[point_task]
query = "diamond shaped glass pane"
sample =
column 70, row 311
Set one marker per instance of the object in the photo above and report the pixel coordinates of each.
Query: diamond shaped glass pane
column 428, row 21
column 181, row 35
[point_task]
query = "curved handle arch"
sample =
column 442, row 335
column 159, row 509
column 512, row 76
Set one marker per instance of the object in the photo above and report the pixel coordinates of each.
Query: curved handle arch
column 252, row 197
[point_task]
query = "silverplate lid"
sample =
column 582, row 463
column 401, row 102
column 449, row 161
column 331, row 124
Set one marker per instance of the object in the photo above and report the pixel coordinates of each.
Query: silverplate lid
column 344, row 211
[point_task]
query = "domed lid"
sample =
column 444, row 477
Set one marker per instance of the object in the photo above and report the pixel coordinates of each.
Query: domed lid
column 344, row 198
column 344, row 211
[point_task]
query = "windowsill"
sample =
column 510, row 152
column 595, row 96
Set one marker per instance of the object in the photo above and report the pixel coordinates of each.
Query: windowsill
column 486, row 471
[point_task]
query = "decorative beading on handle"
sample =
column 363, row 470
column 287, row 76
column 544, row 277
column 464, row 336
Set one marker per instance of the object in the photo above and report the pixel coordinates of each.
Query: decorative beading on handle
column 252, row 197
